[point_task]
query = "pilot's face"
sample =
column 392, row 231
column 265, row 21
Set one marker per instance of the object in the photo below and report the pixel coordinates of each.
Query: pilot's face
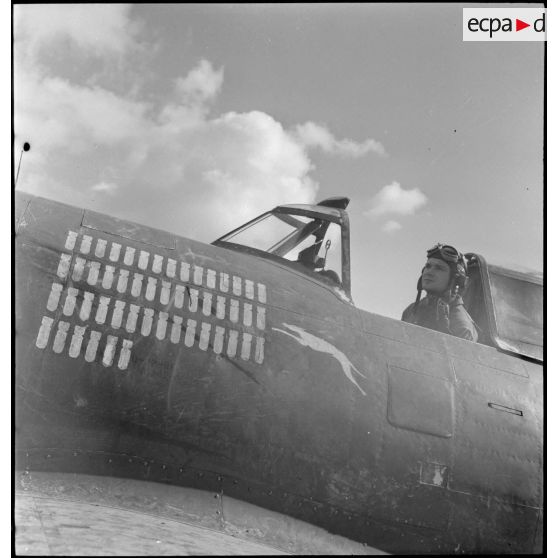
column 436, row 276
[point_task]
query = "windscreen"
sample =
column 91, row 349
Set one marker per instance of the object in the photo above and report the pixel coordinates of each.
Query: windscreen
column 309, row 243
column 269, row 232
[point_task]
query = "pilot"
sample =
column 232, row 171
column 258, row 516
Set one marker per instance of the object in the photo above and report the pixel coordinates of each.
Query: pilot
column 443, row 277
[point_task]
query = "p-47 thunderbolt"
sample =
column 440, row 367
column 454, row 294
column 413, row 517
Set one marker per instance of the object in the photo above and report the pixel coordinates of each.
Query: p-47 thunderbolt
column 235, row 386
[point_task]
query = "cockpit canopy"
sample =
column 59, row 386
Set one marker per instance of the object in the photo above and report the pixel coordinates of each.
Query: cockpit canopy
column 313, row 239
column 506, row 305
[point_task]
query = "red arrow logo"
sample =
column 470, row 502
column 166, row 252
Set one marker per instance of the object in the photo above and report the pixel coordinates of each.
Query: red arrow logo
column 519, row 25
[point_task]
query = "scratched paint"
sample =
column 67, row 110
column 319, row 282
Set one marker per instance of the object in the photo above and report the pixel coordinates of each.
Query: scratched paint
column 210, row 278
column 147, row 322
column 79, row 266
column 190, row 336
column 100, row 248
column 260, row 317
column 232, row 344
column 221, row 307
column 71, row 240
column 259, row 352
column 64, row 266
column 70, row 302
column 110, row 349
column 204, row 335
column 108, row 277
column 54, row 297
column 237, row 285
column 143, row 259
column 102, row 310
column 157, row 263
column 86, row 305
column 184, row 271
column 193, row 305
column 132, row 319
column 125, row 353
column 224, row 282
column 433, row 474
column 162, row 325
column 122, row 283
column 179, row 296
column 150, row 289
column 247, row 314
column 85, row 244
column 165, row 292
column 60, row 338
column 198, row 275
column 129, row 255
column 321, row 345
column 218, row 340
column 115, row 252
column 176, row 329
column 206, row 306
column 117, row 314
column 246, row 346
column 92, row 345
column 77, row 340
column 93, row 275
column 171, row 268
column 44, row 332
column 136, row 284
column 233, row 310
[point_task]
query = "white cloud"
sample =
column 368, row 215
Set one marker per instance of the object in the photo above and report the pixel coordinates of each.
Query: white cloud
column 223, row 172
column 55, row 112
column 52, row 112
column 106, row 187
column 217, row 171
column 201, row 84
column 98, row 28
column 195, row 92
column 391, row 226
column 165, row 163
column 394, row 199
column 316, row 135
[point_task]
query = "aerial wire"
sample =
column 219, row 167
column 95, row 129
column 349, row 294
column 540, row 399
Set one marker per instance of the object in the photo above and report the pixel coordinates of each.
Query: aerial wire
column 26, row 147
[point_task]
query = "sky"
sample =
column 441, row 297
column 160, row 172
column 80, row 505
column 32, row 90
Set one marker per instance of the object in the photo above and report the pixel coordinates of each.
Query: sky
column 196, row 118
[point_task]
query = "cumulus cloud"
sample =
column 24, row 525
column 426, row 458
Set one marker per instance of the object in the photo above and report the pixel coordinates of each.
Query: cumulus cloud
column 220, row 173
column 396, row 200
column 315, row 135
column 391, row 226
column 99, row 28
column 167, row 163
column 201, row 84
column 177, row 168
column 195, row 93
column 57, row 113
column 106, row 187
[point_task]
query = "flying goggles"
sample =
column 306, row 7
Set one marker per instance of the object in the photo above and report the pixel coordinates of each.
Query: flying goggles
column 446, row 252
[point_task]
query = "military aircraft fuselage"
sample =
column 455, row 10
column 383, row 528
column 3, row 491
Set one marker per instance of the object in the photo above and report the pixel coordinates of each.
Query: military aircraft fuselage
column 144, row 355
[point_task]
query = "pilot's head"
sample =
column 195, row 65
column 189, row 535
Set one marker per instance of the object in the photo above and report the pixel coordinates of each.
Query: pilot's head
column 445, row 270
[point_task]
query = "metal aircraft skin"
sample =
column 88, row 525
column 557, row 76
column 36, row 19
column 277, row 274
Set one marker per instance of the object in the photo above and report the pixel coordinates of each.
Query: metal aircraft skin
column 144, row 355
